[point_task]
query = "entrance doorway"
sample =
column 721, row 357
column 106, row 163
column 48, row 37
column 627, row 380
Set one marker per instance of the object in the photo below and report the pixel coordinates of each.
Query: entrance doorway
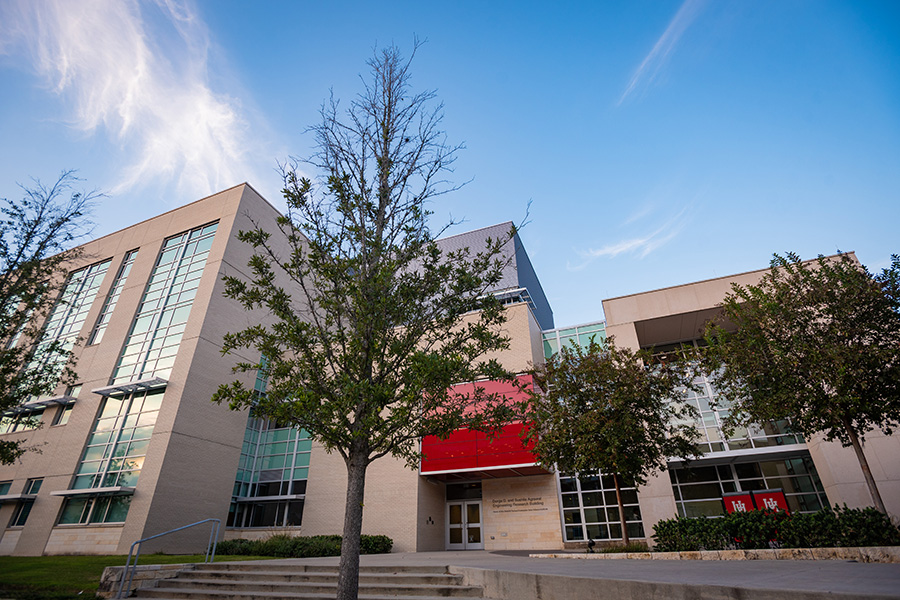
column 464, row 525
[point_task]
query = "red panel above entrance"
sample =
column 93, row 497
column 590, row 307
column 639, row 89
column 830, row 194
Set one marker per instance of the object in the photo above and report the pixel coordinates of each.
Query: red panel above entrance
column 465, row 450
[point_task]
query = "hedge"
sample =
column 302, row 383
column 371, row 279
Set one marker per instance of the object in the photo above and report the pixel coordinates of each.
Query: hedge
column 828, row 528
column 287, row 546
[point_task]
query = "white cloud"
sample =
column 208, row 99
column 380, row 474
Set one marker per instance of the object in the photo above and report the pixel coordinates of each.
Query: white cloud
column 653, row 63
column 138, row 72
column 641, row 246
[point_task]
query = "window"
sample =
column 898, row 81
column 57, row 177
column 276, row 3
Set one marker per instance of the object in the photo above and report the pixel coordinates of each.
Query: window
column 155, row 334
column 23, row 507
column 116, row 447
column 114, row 457
column 22, row 421
column 271, row 479
column 68, row 315
column 20, row 516
column 112, row 298
column 591, row 510
column 581, row 335
column 62, row 413
column 711, row 415
column 698, row 490
column 95, row 509
column 4, row 487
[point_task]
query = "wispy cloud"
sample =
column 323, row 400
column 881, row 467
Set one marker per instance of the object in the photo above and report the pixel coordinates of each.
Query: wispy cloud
column 641, row 245
column 140, row 73
column 653, row 63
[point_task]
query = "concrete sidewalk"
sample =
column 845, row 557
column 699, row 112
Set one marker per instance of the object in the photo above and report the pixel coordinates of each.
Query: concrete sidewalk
column 517, row 577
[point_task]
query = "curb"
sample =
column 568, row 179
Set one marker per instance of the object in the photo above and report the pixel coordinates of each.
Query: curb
column 873, row 554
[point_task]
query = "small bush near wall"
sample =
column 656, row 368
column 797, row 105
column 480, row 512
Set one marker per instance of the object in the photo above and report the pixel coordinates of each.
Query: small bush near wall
column 287, row 546
column 829, row 528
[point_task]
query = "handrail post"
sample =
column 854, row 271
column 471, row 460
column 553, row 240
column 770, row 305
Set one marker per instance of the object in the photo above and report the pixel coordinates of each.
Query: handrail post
column 130, row 569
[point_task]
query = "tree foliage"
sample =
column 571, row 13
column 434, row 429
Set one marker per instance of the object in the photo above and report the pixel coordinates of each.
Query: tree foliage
column 370, row 323
column 36, row 235
column 815, row 342
column 612, row 409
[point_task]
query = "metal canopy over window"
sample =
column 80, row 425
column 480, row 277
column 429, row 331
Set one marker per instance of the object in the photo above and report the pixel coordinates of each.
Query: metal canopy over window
column 116, row 490
column 130, row 387
column 38, row 404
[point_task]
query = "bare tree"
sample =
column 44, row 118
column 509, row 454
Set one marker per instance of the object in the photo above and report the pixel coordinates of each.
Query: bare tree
column 36, row 235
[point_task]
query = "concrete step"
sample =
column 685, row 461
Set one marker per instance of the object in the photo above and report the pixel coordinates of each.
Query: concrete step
column 180, row 586
column 290, row 576
column 266, row 581
column 294, row 568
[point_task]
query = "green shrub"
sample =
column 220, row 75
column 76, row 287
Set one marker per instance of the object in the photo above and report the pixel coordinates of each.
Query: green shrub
column 376, row 544
column 830, row 527
column 288, row 546
column 239, row 547
column 630, row 547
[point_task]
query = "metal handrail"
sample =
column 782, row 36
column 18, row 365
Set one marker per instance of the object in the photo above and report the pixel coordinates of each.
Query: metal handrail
column 210, row 549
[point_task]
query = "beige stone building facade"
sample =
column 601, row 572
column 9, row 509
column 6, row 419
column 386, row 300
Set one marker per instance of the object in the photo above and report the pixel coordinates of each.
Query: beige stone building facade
column 137, row 448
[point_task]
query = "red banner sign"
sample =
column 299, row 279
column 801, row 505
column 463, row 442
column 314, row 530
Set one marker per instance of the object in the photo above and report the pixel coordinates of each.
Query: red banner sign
column 758, row 500
column 738, row 502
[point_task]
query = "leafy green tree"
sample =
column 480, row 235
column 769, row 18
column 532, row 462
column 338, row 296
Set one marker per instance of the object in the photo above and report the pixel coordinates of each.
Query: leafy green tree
column 36, row 235
column 370, row 323
column 815, row 342
column 612, row 409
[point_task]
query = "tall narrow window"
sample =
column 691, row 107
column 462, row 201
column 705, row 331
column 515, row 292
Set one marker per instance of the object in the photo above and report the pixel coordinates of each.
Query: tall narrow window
column 156, row 332
column 112, row 298
column 69, row 313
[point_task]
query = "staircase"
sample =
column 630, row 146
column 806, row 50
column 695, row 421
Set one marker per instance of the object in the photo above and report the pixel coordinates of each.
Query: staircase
column 258, row 580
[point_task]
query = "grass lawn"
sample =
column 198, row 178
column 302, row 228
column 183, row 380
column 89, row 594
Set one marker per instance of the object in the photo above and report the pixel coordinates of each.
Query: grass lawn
column 65, row 577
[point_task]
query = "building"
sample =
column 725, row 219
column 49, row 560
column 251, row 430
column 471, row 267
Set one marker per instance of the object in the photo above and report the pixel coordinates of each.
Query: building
column 813, row 473
column 137, row 448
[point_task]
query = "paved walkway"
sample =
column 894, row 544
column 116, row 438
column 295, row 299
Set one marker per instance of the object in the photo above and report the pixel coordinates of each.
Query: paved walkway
column 874, row 580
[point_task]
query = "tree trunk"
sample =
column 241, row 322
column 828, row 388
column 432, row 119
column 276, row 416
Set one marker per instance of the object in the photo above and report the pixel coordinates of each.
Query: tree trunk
column 864, row 465
column 617, row 481
column 348, row 573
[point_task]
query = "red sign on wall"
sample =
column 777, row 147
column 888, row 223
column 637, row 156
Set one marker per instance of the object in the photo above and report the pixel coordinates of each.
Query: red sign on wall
column 771, row 500
column 758, row 500
column 738, row 502
column 466, row 450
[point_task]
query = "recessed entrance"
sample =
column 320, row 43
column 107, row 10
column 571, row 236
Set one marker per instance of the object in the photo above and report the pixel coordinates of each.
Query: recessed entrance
column 464, row 517
column 464, row 527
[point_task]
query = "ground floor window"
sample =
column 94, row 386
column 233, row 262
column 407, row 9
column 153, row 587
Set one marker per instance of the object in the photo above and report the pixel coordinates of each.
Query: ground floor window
column 20, row 515
column 23, row 508
column 591, row 510
column 277, row 513
column 97, row 509
column 698, row 489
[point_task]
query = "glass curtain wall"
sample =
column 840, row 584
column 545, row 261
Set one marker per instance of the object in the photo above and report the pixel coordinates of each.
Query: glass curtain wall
column 580, row 335
column 156, row 332
column 68, row 315
column 270, row 484
column 114, row 457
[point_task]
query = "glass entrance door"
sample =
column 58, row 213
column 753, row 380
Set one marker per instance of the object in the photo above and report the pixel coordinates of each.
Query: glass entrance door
column 464, row 527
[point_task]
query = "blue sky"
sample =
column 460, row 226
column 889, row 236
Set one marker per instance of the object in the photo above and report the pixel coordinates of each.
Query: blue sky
column 658, row 142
